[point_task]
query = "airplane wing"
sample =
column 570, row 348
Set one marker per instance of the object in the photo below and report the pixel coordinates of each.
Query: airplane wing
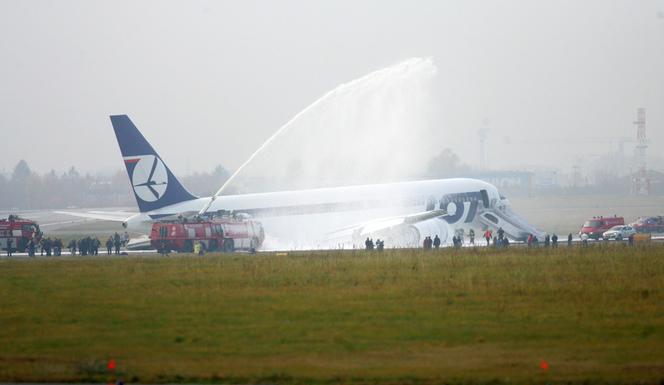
column 385, row 226
column 114, row 216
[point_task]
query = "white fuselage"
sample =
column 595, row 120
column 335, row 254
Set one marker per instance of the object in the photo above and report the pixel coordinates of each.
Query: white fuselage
column 305, row 218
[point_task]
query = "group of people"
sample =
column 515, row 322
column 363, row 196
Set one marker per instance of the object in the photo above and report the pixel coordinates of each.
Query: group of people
column 46, row 246
column 428, row 243
column 369, row 244
column 497, row 240
column 549, row 240
column 90, row 245
column 86, row 246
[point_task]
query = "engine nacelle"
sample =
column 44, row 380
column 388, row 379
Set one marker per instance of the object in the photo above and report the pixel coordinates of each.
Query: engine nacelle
column 406, row 234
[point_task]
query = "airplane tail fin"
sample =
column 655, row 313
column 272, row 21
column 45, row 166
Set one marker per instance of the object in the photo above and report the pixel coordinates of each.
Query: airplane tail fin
column 154, row 184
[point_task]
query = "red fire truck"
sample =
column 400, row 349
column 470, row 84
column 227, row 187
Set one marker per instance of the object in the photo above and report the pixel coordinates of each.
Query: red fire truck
column 596, row 226
column 649, row 224
column 224, row 234
column 17, row 232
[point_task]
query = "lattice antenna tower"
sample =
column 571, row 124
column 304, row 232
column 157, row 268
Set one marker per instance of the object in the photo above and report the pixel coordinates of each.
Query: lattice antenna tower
column 483, row 133
column 641, row 181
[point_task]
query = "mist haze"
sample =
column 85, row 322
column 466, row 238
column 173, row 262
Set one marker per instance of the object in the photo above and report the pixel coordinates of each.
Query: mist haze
column 209, row 82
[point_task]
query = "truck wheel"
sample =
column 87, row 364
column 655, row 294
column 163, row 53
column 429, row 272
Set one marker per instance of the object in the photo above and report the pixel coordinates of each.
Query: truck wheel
column 229, row 245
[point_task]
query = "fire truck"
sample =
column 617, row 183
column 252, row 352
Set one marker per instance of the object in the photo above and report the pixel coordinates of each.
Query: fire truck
column 596, row 226
column 18, row 232
column 649, row 224
column 225, row 234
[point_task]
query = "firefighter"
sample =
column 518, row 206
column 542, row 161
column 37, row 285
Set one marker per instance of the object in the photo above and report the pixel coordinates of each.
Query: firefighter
column 72, row 247
column 471, row 235
column 27, row 247
column 436, row 241
column 57, row 247
column 9, row 245
column 197, row 248
column 109, row 245
column 501, row 233
column 554, row 241
column 366, row 244
column 569, row 240
column 547, row 240
column 116, row 243
column 31, row 248
column 47, row 246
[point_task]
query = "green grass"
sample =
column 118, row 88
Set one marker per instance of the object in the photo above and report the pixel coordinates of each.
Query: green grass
column 405, row 316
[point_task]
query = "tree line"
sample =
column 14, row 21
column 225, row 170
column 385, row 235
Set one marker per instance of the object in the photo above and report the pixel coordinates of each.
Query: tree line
column 26, row 189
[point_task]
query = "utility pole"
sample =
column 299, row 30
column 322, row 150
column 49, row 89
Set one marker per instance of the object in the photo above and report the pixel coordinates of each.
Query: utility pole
column 482, row 133
column 640, row 180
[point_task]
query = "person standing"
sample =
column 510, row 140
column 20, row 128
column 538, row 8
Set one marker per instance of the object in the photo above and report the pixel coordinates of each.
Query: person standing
column 31, row 248
column 471, row 235
column 109, row 245
column 569, row 240
column 9, row 247
column 501, row 233
column 530, row 240
column 116, row 243
column 436, row 241
column 488, row 236
column 72, row 247
column 554, row 241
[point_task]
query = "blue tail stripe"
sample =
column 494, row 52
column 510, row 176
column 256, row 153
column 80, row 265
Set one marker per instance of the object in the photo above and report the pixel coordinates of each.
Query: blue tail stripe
column 132, row 143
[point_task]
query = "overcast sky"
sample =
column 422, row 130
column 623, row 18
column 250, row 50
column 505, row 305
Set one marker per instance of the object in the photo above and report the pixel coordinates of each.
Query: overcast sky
column 208, row 81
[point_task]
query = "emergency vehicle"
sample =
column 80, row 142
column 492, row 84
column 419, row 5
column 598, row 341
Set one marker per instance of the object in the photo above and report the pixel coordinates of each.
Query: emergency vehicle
column 223, row 234
column 649, row 225
column 596, row 226
column 18, row 231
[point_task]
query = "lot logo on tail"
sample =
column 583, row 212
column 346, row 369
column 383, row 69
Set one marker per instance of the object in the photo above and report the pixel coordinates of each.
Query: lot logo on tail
column 148, row 176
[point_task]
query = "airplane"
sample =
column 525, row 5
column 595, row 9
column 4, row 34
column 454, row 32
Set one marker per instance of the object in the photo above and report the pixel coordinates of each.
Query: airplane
column 401, row 213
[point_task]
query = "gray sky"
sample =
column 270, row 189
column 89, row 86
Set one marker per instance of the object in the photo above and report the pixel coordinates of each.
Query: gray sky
column 208, row 81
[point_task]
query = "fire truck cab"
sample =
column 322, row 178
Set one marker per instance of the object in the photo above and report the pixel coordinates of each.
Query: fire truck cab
column 224, row 234
column 17, row 232
column 596, row 226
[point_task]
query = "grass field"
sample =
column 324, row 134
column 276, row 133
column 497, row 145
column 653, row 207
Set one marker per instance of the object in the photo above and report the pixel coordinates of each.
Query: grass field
column 472, row 316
